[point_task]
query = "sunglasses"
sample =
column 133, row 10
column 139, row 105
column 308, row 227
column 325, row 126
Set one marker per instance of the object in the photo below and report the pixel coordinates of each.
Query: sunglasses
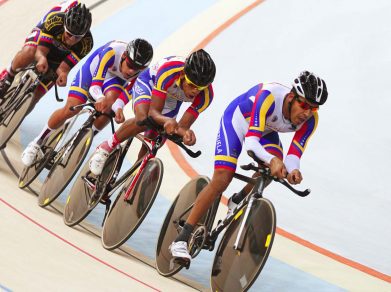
column 71, row 35
column 305, row 106
column 200, row 88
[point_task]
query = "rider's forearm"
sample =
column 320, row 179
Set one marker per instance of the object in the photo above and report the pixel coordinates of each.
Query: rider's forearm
column 41, row 52
column 292, row 162
column 158, row 117
column 63, row 68
column 96, row 92
column 252, row 143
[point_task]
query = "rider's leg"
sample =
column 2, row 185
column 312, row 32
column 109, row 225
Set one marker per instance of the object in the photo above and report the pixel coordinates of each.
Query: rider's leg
column 21, row 60
column 219, row 183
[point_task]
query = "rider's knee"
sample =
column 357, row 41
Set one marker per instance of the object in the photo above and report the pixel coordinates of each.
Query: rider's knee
column 221, row 180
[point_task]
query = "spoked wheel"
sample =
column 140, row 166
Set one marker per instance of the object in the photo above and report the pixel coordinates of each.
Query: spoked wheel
column 29, row 173
column 83, row 198
column 235, row 270
column 126, row 215
column 69, row 160
column 13, row 117
column 6, row 99
column 173, row 222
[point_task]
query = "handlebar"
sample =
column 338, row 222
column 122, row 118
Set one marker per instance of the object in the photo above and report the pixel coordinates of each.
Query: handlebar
column 265, row 170
column 150, row 123
column 111, row 115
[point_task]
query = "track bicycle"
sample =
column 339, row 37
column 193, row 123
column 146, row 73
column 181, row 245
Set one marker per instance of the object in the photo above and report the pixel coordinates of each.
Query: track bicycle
column 70, row 156
column 246, row 242
column 137, row 188
column 19, row 100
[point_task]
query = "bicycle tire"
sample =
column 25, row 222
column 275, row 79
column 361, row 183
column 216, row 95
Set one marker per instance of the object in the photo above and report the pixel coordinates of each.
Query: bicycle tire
column 165, row 264
column 65, row 167
column 124, row 218
column 29, row 173
column 15, row 116
column 78, row 203
column 235, row 270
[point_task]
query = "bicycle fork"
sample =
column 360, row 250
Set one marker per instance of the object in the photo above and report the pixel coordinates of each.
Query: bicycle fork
column 127, row 196
column 238, row 245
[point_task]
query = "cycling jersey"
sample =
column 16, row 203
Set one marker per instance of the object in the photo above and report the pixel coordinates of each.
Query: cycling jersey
column 101, row 72
column 64, row 6
column 51, row 36
column 163, row 81
column 257, row 115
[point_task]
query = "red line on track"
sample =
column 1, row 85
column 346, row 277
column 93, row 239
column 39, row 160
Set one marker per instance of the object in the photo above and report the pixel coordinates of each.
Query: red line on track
column 76, row 247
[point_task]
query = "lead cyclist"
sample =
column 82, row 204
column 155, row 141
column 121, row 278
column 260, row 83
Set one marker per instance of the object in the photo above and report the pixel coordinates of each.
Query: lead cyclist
column 254, row 119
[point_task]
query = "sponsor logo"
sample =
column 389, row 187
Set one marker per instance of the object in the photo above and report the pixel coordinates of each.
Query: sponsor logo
column 52, row 22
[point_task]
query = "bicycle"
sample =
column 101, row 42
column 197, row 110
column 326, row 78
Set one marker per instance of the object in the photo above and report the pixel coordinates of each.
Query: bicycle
column 139, row 187
column 68, row 159
column 19, row 100
column 246, row 242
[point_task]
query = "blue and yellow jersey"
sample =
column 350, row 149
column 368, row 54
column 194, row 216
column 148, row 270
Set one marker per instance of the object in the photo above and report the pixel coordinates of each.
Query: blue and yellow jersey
column 165, row 76
column 261, row 106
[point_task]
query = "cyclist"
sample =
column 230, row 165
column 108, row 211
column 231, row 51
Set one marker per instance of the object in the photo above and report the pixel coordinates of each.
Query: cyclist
column 255, row 118
column 26, row 55
column 103, row 77
column 159, row 92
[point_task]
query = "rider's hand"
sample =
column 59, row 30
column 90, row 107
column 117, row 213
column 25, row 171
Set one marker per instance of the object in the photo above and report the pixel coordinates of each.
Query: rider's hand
column 103, row 105
column 295, row 177
column 170, row 126
column 189, row 138
column 119, row 116
column 277, row 168
column 42, row 65
column 62, row 79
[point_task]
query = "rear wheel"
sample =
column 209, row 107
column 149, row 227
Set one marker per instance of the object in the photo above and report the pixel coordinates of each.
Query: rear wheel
column 173, row 222
column 29, row 173
column 124, row 216
column 80, row 201
column 69, row 160
column 236, row 270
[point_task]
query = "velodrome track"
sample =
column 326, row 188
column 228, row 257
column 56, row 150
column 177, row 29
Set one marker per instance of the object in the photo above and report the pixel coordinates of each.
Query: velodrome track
column 37, row 245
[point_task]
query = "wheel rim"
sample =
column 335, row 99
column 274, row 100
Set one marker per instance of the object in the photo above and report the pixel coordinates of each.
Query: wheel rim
column 238, row 270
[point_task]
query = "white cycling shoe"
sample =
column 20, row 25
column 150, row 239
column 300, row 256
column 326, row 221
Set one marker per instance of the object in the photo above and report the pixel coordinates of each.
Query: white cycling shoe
column 98, row 160
column 32, row 153
column 179, row 250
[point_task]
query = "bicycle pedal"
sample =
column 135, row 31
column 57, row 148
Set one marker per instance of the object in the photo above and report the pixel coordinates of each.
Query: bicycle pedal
column 182, row 262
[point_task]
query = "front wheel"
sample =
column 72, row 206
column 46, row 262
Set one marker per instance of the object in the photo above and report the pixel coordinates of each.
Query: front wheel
column 80, row 201
column 125, row 216
column 173, row 222
column 236, row 270
column 29, row 173
column 71, row 156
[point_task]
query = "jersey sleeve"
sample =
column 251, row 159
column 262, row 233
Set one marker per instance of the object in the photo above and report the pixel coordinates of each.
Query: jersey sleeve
column 80, row 50
column 167, row 74
column 201, row 102
column 299, row 143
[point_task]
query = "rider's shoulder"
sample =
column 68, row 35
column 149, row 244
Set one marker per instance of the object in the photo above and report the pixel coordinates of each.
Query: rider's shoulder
column 54, row 23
